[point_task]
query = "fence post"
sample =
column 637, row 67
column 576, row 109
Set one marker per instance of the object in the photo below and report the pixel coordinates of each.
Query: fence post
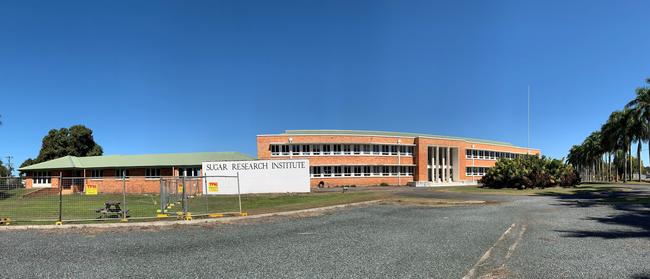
column 205, row 194
column 184, row 199
column 60, row 221
column 239, row 193
column 162, row 197
column 125, row 208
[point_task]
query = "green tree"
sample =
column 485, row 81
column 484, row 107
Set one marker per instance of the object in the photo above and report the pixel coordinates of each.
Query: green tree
column 74, row 141
column 4, row 171
column 641, row 105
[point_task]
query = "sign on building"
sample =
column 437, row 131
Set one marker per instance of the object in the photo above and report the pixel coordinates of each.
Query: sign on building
column 259, row 176
column 91, row 190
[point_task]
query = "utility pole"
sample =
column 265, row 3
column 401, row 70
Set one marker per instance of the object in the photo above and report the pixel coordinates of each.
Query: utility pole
column 528, row 151
column 9, row 166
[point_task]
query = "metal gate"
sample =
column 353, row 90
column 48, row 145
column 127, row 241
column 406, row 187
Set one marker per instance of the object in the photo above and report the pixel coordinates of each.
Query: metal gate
column 186, row 196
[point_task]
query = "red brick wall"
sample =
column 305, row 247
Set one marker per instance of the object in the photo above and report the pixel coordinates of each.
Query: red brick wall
column 135, row 184
column 361, row 181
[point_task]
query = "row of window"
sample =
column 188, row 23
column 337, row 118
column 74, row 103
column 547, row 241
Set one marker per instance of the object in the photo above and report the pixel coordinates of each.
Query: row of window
column 42, row 177
column 339, row 149
column 342, row 171
column 489, row 155
column 476, row 171
column 148, row 173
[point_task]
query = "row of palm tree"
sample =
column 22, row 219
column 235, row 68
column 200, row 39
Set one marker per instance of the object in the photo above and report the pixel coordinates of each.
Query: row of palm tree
column 606, row 155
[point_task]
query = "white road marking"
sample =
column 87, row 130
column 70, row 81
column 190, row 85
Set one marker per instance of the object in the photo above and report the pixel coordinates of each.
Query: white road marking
column 487, row 254
column 512, row 247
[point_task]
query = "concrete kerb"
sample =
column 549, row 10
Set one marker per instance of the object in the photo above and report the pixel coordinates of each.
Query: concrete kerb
column 182, row 222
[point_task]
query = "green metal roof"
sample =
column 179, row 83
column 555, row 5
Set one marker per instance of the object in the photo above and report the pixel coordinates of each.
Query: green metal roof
column 389, row 134
column 145, row 160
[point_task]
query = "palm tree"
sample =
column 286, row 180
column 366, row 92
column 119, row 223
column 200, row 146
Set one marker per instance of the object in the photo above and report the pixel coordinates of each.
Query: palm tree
column 577, row 159
column 617, row 131
column 641, row 104
column 593, row 153
column 639, row 133
column 629, row 135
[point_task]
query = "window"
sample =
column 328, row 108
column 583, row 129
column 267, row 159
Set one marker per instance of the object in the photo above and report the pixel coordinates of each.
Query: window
column 285, row 150
column 295, row 149
column 42, row 177
column 337, row 149
column 347, row 149
column 357, row 149
column 367, row 149
column 119, row 173
column 394, row 170
column 406, row 150
column 327, row 171
column 316, row 149
column 385, row 149
column 375, row 149
column 366, row 171
column 347, row 171
column 192, row 172
column 337, row 171
column 306, row 149
column 96, row 173
column 315, row 171
column 152, row 173
column 393, row 150
column 327, row 149
column 376, row 170
column 476, row 171
column 275, row 150
column 385, row 171
column 357, row 170
column 468, row 153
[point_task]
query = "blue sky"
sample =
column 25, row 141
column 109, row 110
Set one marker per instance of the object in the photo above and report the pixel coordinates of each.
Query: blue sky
column 184, row 76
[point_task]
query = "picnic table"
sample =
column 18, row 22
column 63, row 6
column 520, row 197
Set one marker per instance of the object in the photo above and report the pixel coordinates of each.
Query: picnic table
column 112, row 209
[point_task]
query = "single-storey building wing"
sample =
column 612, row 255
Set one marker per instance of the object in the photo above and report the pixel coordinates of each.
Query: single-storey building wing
column 110, row 174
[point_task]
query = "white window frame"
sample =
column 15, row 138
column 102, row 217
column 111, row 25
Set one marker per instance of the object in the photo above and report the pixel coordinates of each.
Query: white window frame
column 275, row 150
column 150, row 173
column 96, row 174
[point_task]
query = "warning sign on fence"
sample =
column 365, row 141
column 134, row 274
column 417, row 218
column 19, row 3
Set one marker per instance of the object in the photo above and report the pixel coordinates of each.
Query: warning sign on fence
column 180, row 188
column 91, row 190
column 213, row 187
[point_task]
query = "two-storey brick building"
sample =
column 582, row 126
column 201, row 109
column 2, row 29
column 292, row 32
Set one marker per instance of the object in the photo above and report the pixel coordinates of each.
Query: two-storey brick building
column 341, row 157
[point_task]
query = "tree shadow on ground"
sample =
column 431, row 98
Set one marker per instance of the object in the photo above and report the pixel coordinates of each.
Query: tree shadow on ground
column 5, row 195
column 632, row 217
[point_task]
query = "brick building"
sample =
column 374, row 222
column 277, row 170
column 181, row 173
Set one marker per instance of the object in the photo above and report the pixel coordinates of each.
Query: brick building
column 142, row 173
column 340, row 157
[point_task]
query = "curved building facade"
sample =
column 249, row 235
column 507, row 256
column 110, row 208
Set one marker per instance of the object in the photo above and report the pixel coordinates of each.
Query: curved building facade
column 364, row 158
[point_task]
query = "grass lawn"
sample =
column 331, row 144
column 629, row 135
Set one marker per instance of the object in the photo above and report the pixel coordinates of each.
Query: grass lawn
column 81, row 207
column 580, row 189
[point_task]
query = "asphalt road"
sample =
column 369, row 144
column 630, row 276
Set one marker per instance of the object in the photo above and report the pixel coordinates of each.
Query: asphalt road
column 519, row 237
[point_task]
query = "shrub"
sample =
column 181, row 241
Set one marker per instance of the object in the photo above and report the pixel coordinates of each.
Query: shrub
column 529, row 172
column 384, row 184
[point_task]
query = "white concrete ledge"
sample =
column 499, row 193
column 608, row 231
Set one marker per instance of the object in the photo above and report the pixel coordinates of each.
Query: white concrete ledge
column 441, row 184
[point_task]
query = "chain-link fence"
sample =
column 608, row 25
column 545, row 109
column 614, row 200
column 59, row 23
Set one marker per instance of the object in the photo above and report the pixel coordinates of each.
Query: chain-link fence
column 113, row 199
